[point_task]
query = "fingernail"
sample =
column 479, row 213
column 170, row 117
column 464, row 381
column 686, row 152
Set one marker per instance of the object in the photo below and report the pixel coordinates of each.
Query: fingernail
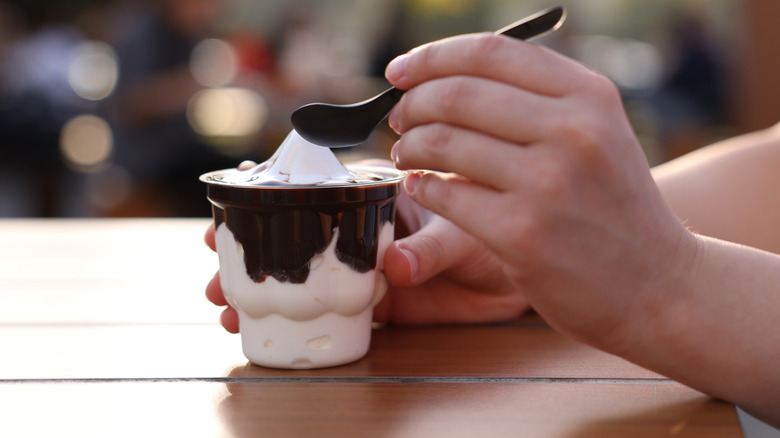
column 392, row 120
column 414, row 266
column 394, row 154
column 410, row 183
column 396, row 69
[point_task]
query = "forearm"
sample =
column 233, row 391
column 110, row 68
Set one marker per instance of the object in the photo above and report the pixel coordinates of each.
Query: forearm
column 716, row 329
column 729, row 190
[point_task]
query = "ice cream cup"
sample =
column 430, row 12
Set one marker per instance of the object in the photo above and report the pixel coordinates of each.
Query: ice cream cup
column 303, row 265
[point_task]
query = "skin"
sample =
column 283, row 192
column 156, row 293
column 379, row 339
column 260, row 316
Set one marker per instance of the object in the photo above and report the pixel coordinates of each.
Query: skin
column 579, row 227
column 727, row 190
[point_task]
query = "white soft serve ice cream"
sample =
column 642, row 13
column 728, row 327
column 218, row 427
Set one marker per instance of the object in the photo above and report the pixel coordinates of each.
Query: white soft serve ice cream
column 316, row 311
column 299, row 162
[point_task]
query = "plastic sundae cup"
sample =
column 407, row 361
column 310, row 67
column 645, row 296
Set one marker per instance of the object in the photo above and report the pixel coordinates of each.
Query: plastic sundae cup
column 303, row 263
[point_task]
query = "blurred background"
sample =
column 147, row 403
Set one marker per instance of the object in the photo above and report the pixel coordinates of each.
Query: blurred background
column 113, row 108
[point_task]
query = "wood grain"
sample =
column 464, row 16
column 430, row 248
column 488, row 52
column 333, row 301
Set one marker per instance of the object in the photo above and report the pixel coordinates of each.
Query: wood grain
column 105, row 331
column 297, row 409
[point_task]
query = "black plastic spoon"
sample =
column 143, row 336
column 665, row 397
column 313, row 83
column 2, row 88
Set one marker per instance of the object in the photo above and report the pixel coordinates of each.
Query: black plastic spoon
column 337, row 126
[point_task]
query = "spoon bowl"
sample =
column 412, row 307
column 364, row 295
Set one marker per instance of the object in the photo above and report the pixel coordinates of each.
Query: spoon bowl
column 337, row 126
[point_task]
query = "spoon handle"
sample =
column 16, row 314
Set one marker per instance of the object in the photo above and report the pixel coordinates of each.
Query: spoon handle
column 533, row 26
column 331, row 126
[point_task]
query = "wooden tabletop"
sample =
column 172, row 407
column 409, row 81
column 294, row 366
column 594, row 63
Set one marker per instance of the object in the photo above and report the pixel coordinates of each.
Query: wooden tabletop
column 105, row 331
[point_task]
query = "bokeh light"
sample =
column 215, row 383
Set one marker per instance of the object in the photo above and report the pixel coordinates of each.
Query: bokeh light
column 227, row 112
column 631, row 63
column 213, row 63
column 86, row 142
column 94, row 71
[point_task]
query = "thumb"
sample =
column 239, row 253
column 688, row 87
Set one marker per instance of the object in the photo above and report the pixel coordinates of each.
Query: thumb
column 421, row 256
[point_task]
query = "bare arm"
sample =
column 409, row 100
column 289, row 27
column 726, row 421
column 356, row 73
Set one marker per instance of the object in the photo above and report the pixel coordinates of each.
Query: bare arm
column 730, row 190
column 716, row 328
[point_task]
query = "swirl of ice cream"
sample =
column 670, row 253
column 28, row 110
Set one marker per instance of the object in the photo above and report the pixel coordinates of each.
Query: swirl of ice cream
column 300, row 162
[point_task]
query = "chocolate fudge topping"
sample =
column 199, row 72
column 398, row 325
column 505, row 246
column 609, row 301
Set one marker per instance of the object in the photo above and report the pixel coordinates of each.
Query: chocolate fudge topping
column 282, row 229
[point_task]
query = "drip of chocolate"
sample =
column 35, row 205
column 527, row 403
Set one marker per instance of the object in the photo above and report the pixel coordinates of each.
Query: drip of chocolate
column 282, row 229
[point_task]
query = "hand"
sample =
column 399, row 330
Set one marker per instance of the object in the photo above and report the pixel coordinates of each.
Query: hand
column 440, row 274
column 537, row 160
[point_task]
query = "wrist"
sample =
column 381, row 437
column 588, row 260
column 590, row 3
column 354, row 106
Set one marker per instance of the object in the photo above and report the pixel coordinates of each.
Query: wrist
column 663, row 303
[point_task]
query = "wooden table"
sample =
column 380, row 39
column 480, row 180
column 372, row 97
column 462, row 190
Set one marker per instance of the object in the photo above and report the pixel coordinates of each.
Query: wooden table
column 105, row 332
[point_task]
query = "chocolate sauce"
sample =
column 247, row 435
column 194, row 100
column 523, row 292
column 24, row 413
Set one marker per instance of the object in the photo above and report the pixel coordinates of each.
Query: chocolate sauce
column 282, row 229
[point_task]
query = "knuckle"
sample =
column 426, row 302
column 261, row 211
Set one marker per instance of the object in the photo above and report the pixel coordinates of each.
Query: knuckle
column 601, row 91
column 523, row 234
column 550, row 182
column 430, row 250
column 585, row 151
column 426, row 146
column 436, row 138
column 472, row 48
column 455, row 92
column 605, row 89
column 440, row 193
column 485, row 46
column 580, row 133
column 425, row 58
column 585, row 133
column 435, row 192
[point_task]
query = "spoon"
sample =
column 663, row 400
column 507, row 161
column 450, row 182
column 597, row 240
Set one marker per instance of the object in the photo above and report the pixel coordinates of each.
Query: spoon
column 336, row 126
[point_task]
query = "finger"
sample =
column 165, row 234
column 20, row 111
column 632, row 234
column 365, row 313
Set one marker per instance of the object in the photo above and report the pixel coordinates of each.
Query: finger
column 433, row 249
column 421, row 256
column 210, row 238
column 479, row 210
column 214, row 291
column 229, row 316
column 229, row 320
column 477, row 104
column 481, row 158
column 414, row 259
column 495, row 57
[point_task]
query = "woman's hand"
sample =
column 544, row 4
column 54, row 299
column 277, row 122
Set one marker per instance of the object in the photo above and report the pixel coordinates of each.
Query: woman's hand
column 532, row 154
